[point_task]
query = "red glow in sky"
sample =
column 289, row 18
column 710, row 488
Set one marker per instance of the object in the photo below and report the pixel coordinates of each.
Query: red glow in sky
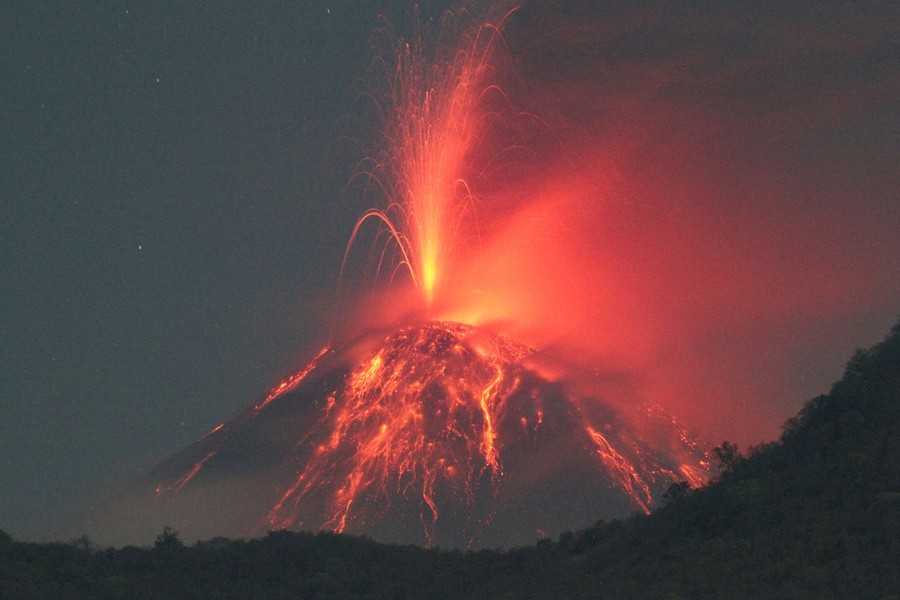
column 665, row 222
column 435, row 113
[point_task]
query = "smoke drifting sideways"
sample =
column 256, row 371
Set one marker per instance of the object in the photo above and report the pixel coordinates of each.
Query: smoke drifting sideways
column 700, row 205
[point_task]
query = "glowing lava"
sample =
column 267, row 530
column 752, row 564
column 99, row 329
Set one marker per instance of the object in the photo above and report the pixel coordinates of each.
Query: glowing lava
column 186, row 478
column 435, row 116
column 419, row 411
column 429, row 417
column 435, row 409
column 290, row 382
column 439, row 433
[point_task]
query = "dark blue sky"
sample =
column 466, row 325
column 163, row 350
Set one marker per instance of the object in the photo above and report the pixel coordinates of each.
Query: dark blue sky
column 166, row 226
column 172, row 216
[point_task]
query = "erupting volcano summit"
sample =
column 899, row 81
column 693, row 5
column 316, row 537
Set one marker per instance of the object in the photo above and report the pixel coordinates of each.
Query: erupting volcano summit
column 434, row 431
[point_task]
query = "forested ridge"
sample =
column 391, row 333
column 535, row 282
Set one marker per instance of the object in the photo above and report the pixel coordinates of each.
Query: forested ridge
column 813, row 515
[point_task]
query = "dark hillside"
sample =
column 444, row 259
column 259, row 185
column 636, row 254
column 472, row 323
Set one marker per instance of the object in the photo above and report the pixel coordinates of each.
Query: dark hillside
column 815, row 515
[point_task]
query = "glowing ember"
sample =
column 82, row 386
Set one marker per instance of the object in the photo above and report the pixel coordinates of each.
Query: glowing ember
column 623, row 473
column 186, row 478
column 291, row 382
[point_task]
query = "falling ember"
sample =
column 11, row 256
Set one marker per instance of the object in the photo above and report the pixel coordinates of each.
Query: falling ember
column 292, row 381
column 213, row 430
column 186, row 478
column 622, row 472
column 697, row 476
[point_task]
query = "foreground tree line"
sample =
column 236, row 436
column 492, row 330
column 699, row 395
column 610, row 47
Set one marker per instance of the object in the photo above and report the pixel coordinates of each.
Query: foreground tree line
column 814, row 515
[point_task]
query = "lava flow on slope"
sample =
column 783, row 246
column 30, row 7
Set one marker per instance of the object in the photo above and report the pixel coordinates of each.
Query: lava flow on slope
column 437, row 416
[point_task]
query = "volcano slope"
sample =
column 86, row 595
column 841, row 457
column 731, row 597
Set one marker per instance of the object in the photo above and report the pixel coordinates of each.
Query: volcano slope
column 435, row 434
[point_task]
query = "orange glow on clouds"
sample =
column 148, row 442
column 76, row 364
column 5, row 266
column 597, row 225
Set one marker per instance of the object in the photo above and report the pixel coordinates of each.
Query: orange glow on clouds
column 642, row 230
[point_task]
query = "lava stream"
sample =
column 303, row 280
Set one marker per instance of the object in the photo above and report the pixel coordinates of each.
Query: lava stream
column 424, row 419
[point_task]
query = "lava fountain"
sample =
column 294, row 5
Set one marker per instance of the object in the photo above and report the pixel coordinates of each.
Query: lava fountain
column 436, row 115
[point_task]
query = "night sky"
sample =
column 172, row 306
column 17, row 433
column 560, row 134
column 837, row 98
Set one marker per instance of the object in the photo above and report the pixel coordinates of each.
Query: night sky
column 721, row 183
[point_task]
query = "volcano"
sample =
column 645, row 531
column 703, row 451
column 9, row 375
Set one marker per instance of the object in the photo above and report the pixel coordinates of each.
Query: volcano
column 439, row 433
column 436, row 432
